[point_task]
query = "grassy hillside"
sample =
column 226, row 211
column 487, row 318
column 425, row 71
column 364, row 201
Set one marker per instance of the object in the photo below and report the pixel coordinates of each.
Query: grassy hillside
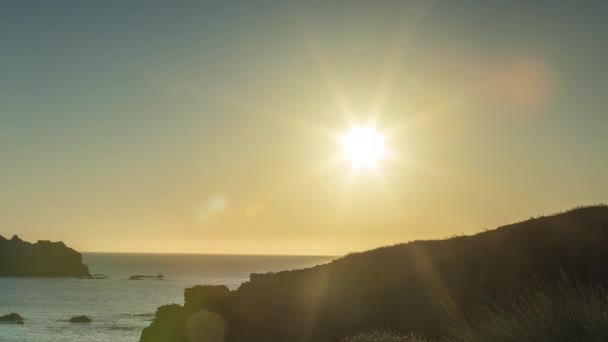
column 559, row 312
column 564, row 311
column 410, row 288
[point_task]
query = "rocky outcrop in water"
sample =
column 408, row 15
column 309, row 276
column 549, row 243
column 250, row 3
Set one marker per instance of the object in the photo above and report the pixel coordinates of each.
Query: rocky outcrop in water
column 144, row 277
column 11, row 318
column 19, row 258
column 94, row 277
column 200, row 319
column 80, row 319
column 405, row 288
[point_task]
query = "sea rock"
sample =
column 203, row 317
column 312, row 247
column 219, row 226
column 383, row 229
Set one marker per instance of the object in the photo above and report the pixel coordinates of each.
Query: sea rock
column 94, row 276
column 80, row 319
column 19, row 258
column 143, row 277
column 170, row 320
column 168, row 325
column 12, row 318
column 209, row 297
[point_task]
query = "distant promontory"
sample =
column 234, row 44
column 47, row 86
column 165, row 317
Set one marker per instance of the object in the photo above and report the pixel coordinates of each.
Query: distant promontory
column 20, row 258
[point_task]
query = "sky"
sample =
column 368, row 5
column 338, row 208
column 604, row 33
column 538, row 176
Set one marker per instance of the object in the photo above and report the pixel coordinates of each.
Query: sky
column 213, row 127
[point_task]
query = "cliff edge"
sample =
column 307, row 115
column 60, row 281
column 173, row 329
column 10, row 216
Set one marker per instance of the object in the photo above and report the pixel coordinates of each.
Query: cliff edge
column 411, row 287
column 19, row 258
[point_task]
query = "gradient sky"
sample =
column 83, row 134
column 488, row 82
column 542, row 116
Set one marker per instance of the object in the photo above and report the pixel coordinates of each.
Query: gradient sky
column 211, row 127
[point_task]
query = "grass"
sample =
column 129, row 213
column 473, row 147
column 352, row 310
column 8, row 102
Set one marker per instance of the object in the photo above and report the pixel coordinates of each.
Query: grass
column 566, row 311
column 563, row 312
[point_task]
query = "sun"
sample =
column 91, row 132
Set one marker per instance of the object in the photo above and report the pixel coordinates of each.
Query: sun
column 363, row 146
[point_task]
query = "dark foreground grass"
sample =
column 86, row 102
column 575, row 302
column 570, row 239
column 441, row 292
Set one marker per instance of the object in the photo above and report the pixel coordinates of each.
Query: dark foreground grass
column 563, row 312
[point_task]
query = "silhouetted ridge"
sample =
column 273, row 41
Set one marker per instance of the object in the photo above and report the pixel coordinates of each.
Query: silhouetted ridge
column 406, row 288
column 19, row 258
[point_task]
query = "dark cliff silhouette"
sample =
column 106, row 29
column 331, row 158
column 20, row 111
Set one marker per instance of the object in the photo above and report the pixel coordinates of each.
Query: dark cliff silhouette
column 19, row 258
column 410, row 288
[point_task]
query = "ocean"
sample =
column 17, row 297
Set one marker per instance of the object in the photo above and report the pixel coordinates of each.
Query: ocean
column 121, row 308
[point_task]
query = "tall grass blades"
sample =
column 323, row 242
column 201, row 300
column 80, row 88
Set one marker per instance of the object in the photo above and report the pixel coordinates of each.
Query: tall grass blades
column 563, row 312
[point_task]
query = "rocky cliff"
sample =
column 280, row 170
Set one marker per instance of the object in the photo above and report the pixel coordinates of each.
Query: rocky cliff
column 411, row 287
column 19, row 258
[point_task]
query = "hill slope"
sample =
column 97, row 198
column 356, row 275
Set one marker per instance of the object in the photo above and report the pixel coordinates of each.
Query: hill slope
column 409, row 287
column 19, row 258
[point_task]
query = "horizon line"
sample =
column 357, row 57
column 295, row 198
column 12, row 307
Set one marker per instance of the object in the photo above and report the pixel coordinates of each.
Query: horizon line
column 203, row 253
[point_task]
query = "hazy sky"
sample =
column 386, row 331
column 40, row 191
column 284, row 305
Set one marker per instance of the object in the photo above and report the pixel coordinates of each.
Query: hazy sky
column 212, row 127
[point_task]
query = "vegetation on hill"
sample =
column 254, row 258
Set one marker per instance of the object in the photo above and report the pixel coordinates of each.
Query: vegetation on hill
column 411, row 288
column 19, row 258
column 560, row 312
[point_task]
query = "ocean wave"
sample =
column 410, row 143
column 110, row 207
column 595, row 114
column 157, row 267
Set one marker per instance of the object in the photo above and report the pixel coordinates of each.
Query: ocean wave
column 122, row 327
column 138, row 314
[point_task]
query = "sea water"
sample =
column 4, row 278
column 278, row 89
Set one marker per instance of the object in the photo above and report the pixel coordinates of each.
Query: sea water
column 120, row 308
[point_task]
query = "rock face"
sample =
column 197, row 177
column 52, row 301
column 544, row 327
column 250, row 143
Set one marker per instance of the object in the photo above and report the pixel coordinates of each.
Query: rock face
column 171, row 321
column 405, row 288
column 41, row 259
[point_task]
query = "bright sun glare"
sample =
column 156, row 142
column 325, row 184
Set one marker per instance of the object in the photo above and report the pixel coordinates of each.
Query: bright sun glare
column 363, row 146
